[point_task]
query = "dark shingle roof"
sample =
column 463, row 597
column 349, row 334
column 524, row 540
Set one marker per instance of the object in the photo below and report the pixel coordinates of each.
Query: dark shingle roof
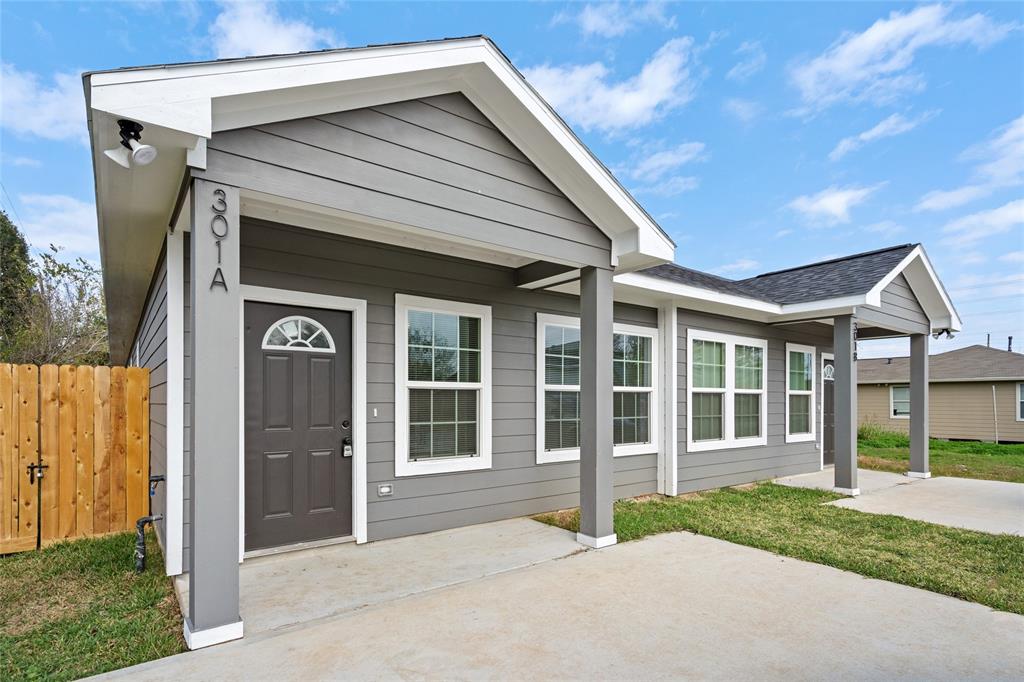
column 847, row 276
column 973, row 362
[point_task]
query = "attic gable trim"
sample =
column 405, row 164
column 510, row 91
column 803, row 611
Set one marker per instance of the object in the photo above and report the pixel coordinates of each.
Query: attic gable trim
column 950, row 319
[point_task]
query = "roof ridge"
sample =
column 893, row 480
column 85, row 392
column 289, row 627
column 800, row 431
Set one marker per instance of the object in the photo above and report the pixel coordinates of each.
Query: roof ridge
column 832, row 260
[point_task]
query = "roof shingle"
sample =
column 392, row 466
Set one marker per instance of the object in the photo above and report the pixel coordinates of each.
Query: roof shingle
column 973, row 362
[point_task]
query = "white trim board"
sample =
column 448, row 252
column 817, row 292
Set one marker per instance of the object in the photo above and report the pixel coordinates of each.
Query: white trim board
column 175, row 472
column 802, row 437
column 200, row 639
column 821, row 419
column 357, row 307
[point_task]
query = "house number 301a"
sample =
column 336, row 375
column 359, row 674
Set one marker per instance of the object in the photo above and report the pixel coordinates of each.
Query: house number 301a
column 219, row 228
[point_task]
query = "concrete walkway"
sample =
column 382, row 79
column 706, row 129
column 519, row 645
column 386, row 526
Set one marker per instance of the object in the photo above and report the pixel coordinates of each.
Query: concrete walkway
column 988, row 506
column 670, row 606
column 297, row 587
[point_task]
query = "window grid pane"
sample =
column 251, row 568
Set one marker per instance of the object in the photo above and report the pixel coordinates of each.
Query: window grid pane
column 631, row 361
column 799, row 414
column 747, row 415
column 748, row 367
column 708, row 364
column 901, row 401
column 561, row 356
column 706, row 416
column 442, row 423
column 631, row 418
column 443, row 347
column 800, row 370
column 561, row 420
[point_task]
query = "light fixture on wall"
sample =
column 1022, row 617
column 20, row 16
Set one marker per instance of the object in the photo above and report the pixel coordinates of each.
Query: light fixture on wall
column 131, row 151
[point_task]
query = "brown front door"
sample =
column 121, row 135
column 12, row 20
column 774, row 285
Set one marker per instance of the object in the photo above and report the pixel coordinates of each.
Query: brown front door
column 298, row 411
column 828, row 411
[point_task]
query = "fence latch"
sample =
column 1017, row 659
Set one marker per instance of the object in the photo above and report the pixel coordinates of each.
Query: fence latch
column 35, row 472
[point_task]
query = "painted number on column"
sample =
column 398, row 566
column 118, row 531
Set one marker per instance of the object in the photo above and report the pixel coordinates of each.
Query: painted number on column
column 220, row 230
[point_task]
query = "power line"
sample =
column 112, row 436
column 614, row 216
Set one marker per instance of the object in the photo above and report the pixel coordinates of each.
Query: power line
column 13, row 209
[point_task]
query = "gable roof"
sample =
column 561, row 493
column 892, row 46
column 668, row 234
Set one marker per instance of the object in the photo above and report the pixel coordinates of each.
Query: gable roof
column 183, row 105
column 835, row 278
column 973, row 363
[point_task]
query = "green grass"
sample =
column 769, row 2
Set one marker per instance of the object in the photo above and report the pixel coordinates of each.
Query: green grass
column 890, row 451
column 78, row 608
column 794, row 522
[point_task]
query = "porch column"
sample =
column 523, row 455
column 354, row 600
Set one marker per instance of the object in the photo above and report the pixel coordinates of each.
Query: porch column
column 919, row 407
column 845, row 386
column 213, row 614
column 596, row 465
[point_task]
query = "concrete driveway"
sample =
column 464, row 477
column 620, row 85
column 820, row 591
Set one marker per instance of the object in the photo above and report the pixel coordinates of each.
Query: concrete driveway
column 988, row 506
column 670, row 606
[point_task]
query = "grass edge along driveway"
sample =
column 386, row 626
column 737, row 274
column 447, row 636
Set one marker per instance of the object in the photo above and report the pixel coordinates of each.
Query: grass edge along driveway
column 78, row 608
column 795, row 522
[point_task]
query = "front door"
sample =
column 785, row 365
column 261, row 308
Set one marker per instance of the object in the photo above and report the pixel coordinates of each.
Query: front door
column 828, row 411
column 298, row 411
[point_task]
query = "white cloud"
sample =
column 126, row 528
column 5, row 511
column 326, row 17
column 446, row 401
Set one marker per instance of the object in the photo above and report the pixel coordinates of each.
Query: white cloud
column 783, row 233
column 977, row 226
column 999, row 163
column 1013, row 257
column 972, row 258
column 876, row 65
column 587, row 95
column 737, row 266
column 52, row 111
column 743, row 110
column 832, row 205
column 653, row 167
column 886, row 228
column 752, row 60
column 970, row 287
column 671, row 187
column 21, row 161
column 257, row 28
column 60, row 220
column 897, row 124
column 612, row 19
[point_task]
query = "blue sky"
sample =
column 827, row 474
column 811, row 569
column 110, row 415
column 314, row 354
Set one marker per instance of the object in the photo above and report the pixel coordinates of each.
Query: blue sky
column 760, row 136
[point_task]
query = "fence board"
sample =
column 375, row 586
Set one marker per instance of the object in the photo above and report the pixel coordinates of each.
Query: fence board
column 134, row 454
column 49, row 449
column 90, row 426
column 84, row 396
column 28, row 443
column 100, row 460
column 118, row 466
column 68, row 456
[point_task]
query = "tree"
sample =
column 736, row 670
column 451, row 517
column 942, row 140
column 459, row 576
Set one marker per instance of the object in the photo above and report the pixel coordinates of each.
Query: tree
column 65, row 322
column 16, row 282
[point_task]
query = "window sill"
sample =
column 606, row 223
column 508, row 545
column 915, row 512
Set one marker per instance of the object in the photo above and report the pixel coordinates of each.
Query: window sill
column 900, row 416
column 735, row 444
column 560, row 456
column 799, row 437
column 442, row 466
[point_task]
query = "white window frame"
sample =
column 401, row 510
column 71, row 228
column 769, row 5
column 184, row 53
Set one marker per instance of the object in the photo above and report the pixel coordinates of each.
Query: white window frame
column 729, row 439
column 813, row 416
column 403, row 466
column 1020, row 396
column 892, row 402
column 626, row 450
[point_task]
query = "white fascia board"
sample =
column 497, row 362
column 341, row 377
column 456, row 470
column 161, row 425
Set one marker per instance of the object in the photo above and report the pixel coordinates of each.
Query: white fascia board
column 199, row 99
column 926, row 285
column 659, row 287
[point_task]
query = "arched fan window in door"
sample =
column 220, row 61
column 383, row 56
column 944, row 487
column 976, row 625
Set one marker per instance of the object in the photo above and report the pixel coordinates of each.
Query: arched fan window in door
column 296, row 332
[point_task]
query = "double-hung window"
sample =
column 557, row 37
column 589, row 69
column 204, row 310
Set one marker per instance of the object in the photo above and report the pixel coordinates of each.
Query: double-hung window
column 634, row 386
column 726, row 380
column 899, row 402
column 1020, row 402
column 799, row 393
column 442, row 386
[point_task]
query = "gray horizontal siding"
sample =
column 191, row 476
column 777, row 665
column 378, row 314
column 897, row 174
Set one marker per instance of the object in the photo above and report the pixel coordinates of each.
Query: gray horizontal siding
column 429, row 164
column 150, row 344
column 186, row 443
column 717, row 468
column 900, row 309
column 293, row 258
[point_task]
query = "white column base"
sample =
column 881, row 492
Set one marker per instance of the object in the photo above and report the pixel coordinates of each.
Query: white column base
column 852, row 492
column 204, row 638
column 596, row 543
column 918, row 474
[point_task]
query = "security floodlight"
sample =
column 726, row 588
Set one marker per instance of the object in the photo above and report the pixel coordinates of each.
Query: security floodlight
column 131, row 151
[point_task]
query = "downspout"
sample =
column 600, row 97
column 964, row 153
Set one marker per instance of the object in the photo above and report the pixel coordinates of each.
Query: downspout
column 995, row 413
column 140, row 526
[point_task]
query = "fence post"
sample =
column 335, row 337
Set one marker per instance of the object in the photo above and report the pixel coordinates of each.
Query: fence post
column 68, row 457
column 49, row 449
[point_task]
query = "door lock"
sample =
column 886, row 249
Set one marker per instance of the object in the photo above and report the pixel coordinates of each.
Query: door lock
column 346, row 446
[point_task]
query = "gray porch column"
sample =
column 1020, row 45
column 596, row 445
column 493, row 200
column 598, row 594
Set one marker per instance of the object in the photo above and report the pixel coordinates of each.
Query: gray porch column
column 213, row 568
column 844, row 348
column 596, row 465
column 919, row 407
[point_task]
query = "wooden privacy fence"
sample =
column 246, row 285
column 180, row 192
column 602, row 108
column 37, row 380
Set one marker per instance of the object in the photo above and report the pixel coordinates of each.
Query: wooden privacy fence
column 88, row 428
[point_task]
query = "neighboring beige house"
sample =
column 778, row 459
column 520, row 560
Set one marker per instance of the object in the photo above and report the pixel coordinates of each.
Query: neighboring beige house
column 976, row 393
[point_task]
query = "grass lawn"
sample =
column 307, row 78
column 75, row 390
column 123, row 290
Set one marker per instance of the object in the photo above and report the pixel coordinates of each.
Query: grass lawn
column 888, row 451
column 78, row 608
column 794, row 522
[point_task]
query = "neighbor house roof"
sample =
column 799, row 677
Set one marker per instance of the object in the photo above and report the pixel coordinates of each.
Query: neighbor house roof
column 973, row 363
column 835, row 278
